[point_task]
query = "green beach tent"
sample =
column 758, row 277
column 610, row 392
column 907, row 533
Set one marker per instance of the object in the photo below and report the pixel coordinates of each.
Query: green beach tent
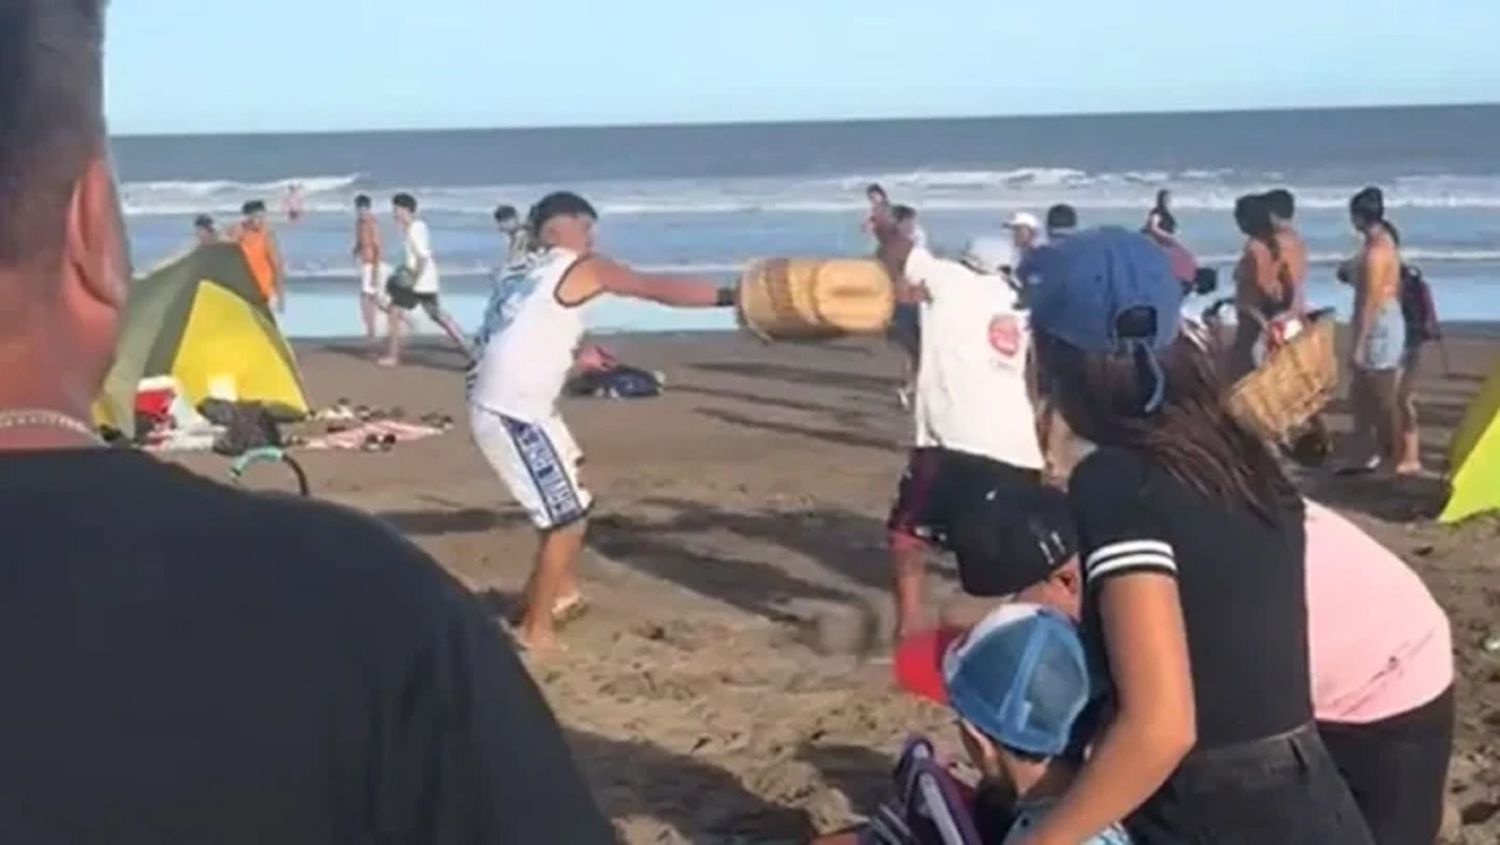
column 1475, row 456
column 201, row 320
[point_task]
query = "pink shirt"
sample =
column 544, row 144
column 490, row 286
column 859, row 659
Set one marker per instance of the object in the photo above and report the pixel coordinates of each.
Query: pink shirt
column 1380, row 644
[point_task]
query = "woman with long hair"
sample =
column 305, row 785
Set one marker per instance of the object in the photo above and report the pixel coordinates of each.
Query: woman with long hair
column 1192, row 543
column 1161, row 224
column 1263, row 285
column 1379, row 336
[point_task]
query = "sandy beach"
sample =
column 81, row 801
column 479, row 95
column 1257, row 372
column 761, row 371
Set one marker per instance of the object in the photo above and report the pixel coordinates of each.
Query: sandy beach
column 727, row 686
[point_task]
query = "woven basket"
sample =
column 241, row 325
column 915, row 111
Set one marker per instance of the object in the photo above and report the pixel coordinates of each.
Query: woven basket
column 811, row 299
column 1295, row 383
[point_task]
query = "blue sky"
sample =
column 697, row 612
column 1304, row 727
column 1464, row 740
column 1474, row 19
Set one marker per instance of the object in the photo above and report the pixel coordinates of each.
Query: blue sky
column 291, row 65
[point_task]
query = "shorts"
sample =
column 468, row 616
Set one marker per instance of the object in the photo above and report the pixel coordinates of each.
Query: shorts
column 538, row 463
column 940, row 482
column 407, row 299
column 369, row 280
column 1385, row 345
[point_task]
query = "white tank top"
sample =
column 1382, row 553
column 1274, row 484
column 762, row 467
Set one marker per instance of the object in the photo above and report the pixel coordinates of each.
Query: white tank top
column 525, row 348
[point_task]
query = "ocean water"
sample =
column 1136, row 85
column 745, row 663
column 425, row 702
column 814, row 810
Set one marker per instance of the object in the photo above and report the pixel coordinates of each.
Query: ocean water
column 706, row 199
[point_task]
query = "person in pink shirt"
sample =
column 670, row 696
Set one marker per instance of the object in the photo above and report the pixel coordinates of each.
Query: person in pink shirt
column 1379, row 646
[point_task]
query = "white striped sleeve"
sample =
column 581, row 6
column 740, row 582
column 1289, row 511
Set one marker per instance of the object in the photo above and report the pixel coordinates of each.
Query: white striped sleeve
column 1124, row 556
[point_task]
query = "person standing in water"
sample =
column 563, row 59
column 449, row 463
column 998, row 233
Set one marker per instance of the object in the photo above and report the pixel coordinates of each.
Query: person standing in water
column 1161, row 224
column 1379, row 335
column 880, row 208
column 367, row 263
column 262, row 253
column 524, row 351
column 417, row 283
column 204, row 231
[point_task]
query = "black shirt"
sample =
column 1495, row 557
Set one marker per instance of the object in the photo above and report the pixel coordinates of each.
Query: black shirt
column 1241, row 581
column 183, row 662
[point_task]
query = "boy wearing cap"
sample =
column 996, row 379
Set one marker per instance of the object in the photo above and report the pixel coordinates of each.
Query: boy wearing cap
column 1024, row 693
column 975, row 426
column 1380, row 649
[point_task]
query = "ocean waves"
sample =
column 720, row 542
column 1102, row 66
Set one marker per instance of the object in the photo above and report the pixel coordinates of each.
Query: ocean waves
column 936, row 190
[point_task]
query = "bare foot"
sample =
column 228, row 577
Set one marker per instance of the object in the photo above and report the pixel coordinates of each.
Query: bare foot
column 538, row 642
column 569, row 608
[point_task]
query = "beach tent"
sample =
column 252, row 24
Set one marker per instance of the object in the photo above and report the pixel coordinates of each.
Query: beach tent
column 1475, row 456
column 201, row 320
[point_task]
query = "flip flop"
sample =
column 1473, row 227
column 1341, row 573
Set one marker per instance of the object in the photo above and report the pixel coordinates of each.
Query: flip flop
column 569, row 610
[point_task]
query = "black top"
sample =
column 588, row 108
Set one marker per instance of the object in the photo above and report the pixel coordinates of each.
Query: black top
column 184, row 662
column 1240, row 578
column 1165, row 220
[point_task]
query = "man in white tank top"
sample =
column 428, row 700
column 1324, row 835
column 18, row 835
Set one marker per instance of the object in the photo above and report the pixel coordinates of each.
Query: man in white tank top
column 532, row 326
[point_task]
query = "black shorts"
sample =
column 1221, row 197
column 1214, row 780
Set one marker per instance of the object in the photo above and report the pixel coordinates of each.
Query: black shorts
column 1397, row 769
column 406, row 299
column 906, row 327
column 939, row 482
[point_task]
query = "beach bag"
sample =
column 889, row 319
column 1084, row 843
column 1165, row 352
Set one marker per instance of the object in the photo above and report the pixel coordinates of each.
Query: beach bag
column 814, row 298
column 930, row 807
column 619, row 382
column 1295, row 383
column 247, row 426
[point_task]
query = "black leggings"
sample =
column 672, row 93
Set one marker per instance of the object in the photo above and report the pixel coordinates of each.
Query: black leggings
column 1397, row 769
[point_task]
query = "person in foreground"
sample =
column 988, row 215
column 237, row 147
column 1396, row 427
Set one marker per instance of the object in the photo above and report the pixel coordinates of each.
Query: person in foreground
column 417, row 284
column 523, row 354
column 1191, row 538
column 1379, row 646
column 1022, row 688
column 190, row 663
column 974, row 421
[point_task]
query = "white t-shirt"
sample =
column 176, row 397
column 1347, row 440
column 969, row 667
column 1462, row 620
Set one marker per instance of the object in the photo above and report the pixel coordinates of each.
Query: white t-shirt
column 419, row 249
column 971, row 384
column 525, row 347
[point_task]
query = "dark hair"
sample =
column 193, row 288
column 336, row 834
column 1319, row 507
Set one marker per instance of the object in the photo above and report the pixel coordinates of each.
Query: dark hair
column 558, row 204
column 1164, row 217
column 1162, row 196
column 1281, row 203
column 253, row 207
column 504, row 213
column 362, row 201
column 1368, row 208
column 903, row 213
column 875, row 188
column 51, row 119
column 1253, row 215
column 1193, row 436
column 203, row 221
column 1062, row 216
column 406, row 201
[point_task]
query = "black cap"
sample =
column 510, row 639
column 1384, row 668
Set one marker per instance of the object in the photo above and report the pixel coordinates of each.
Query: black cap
column 1009, row 539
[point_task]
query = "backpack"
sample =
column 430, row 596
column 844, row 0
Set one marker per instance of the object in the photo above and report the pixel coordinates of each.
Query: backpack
column 1417, row 307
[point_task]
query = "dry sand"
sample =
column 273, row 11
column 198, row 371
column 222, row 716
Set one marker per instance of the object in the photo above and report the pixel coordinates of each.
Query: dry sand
column 719, row 691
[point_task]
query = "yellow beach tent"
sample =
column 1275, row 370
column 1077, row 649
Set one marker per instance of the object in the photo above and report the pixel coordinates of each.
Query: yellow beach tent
column 202, row 321
column 1475, row 456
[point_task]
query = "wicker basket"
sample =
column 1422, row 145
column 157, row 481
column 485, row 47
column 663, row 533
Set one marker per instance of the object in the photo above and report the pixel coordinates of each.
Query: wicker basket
column 809, row 299
column 1296, row 381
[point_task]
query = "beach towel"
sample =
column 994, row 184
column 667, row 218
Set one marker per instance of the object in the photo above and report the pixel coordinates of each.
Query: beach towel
column 376, row 435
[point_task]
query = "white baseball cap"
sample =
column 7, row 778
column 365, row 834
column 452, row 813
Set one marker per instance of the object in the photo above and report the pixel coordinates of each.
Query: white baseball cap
column 1024, row 220
column 990, row 255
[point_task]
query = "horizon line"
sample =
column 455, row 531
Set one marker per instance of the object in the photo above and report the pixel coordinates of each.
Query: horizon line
column 1061, row 115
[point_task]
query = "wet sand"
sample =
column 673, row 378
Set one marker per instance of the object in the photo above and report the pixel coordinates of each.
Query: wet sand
column 726, row 685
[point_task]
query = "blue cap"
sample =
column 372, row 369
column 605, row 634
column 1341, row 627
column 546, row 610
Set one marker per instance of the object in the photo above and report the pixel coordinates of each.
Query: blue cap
column 1022, row 678
column 1095, row 278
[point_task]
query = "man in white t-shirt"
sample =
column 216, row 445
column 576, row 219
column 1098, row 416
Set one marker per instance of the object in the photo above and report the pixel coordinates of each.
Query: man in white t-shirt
column 417, row 282
column 975, row 425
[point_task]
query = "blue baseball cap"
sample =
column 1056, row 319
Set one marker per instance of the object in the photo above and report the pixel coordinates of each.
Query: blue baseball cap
column 1093, row 278
column 1110, row 290
column 1021, row 677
